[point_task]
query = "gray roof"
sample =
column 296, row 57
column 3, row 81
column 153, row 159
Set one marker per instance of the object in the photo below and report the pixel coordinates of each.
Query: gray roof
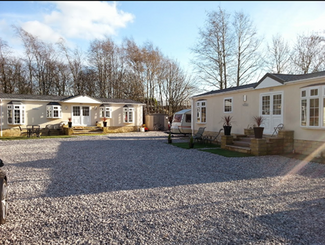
column 251, row 85
column 53, row 98
column 282, row 78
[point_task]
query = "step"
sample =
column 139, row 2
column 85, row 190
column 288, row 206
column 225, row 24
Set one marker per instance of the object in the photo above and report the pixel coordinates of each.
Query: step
column 86, row 130
column 238, row 149
column 243, row 139
column 242, row 143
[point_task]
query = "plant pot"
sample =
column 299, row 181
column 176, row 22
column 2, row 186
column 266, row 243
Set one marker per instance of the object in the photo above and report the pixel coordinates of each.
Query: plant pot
column 191, row 144
column 258, row 132
column 227, row 130
column 70, row 124
column 170, row 141
column 105, row 124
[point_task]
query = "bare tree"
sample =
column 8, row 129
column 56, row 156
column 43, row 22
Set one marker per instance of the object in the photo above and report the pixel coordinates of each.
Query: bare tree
column 40, row 58
column 135, row 70
column 214, row 49
column 309, row 53
column 227, row 53
column 278, row 58
column 246, row 56
column 4, row 67
column 177, row 87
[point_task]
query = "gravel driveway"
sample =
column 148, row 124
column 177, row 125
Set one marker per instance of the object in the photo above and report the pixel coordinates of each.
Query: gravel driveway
column 133, row 188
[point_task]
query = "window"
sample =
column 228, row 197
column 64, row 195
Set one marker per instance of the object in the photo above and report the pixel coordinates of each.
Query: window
column 53, row 110
column 178, row 118
column 15, row 113
column 201, row 111
column 227, row 102
column 128, row 114
column 312, row 107
column 277, row 99
column 105, row 111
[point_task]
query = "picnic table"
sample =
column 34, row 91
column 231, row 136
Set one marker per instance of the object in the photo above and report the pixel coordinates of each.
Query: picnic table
column 33, row 129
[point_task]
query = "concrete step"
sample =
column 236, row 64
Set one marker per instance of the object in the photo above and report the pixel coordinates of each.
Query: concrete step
column 238, row 148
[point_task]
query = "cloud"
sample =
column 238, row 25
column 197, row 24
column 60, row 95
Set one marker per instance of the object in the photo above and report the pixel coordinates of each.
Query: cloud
column 41, row 30
column 87, row 20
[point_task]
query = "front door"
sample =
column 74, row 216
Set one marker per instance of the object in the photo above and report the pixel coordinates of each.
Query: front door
column 271, row 109
column 80, row 115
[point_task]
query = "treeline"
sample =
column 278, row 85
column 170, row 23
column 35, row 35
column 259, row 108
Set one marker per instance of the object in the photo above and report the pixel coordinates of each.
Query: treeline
column 229, row 51
column 106, row 70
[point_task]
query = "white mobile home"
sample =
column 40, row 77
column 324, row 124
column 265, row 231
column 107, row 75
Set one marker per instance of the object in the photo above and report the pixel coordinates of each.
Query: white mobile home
column 297, row 101
column 18, row 111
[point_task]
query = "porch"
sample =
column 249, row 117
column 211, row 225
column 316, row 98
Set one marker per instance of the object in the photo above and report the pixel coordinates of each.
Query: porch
column 268, row 145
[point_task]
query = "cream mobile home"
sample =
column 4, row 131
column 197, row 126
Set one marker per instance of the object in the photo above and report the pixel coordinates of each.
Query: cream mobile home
column 296, row 101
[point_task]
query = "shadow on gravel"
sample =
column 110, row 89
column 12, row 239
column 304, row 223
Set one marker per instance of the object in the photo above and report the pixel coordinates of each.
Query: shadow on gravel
column 129, row 163
column 301, row 224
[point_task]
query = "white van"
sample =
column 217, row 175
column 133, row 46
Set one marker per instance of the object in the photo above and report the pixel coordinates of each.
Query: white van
column 181, row 123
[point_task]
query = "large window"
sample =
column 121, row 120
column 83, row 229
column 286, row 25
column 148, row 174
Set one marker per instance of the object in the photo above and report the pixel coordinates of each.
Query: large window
column 105, row 111
column 312, row 107
column 227, row 105
column 15, row 113
column 53, row 110
column 128, row 114
column 201, row 112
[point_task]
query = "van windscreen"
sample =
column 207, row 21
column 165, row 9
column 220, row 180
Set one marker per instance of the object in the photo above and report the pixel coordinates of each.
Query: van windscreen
column 178, row 118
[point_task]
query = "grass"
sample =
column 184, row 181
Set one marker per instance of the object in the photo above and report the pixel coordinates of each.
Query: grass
column 212, row 148
column 42, row 137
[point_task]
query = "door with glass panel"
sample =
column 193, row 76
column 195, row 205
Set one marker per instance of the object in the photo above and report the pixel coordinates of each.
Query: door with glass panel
column 271, row 109
column 81, row 115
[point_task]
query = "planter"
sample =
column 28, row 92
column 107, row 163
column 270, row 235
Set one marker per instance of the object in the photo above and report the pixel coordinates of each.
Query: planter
column 258, row 132
column 191, row 144
column 248, row 131
column 170, row 141
column 70, row 124
column 105, row 124
column 227, row 130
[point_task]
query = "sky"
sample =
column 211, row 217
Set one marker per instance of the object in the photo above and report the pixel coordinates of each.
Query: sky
column 172, row 26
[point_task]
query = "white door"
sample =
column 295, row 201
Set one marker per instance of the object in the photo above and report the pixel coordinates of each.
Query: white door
column 80, row 115
column 271, row 108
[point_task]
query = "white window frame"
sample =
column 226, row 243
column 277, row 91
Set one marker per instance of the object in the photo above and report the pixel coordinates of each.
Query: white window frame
column 200, row 105
column 231, row 104
column 12, row 117
column 105, row 111
column 51, row 109
column 128, row 115
column 306, row 95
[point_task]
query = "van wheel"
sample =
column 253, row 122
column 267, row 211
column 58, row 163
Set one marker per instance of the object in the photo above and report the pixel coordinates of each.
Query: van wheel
column 3, row 199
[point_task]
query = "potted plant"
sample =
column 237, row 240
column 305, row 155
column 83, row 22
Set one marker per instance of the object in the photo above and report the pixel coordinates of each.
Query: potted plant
column 69, row 123
column 104, row 122
column 258, row 130
column 227, row 124
column 191, row 143
column 169, row 138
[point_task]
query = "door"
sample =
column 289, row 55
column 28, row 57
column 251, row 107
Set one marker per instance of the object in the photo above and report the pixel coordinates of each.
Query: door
column 271, row 108
column 80, row 115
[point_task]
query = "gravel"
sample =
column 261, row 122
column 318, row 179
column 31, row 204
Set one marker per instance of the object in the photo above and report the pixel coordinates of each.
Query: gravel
column 134, row 188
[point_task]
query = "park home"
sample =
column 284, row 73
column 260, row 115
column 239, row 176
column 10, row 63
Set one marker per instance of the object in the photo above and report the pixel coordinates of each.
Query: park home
column 295, row 101
column 20, row 110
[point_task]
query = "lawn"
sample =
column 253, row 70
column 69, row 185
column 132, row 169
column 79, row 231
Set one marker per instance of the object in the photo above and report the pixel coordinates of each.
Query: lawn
column 212, row 148
column 27, row 138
